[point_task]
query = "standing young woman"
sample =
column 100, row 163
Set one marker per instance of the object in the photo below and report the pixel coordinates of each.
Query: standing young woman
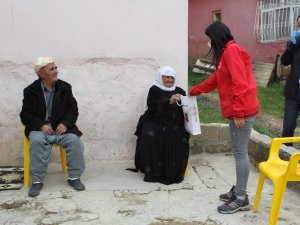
column 237, row 92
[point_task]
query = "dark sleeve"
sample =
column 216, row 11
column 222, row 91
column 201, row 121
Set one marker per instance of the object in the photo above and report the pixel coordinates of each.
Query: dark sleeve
column 154, row 102
column 28, row 118
column 181, row 91
column 287, row 56
column 71, row 114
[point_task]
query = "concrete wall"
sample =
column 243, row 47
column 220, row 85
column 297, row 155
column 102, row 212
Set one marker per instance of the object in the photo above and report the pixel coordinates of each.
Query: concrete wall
column 108, row 50
column 239, row 17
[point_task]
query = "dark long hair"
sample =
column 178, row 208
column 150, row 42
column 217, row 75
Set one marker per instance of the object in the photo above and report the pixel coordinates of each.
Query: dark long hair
column 219, row 35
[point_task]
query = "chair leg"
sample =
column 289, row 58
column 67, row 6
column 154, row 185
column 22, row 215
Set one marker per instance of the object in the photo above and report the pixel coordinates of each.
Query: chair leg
column 258, row 191
column 63, row 158
column 186, row 172
column 279, row 188
column 26, row 162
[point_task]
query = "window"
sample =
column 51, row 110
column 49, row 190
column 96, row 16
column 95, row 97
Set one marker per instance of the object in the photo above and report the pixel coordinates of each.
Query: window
column 216, row 15
column 276, row 19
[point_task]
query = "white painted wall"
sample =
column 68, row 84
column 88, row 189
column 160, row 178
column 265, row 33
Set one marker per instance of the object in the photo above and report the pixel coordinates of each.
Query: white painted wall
column 108, row 50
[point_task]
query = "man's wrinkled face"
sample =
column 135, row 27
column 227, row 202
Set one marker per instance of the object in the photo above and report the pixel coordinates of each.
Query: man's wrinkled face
column 49, row 73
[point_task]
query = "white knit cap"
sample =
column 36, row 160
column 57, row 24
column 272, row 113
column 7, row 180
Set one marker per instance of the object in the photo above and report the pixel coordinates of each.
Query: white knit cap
column 40, row 62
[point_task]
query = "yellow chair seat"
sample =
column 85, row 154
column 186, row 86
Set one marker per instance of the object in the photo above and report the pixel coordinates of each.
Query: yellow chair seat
column 273, row 170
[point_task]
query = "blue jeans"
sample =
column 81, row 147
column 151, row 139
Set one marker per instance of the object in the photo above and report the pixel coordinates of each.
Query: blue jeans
column 40, row 149
column 239, row 143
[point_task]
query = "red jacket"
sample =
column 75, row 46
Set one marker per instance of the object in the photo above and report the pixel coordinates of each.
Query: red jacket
column 235, row 81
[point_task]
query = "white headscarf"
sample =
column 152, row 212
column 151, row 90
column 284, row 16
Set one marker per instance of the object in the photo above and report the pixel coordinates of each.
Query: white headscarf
column 40, row 62
column 158, row 82
column 167, row 71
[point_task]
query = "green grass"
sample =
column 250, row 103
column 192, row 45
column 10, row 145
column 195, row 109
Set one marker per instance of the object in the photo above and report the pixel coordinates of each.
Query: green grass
column 271, row 99
column 196, row 78
column 209, row 112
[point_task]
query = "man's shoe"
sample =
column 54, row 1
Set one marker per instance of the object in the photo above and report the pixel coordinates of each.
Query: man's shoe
column 233, row 206
column 228, row 196
column 76, row 184
column 35, row 189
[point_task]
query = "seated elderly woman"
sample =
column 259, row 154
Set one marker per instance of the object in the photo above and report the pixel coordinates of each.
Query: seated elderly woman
column 162, row 149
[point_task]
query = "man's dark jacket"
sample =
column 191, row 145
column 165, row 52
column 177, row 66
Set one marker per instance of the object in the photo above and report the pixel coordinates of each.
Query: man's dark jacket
column 64, row 108
column 291, row 56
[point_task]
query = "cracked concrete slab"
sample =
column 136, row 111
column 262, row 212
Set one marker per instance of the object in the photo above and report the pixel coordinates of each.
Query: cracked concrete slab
column 116, row 196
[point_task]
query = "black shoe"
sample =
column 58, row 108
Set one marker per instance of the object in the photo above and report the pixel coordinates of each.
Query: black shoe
column 35, row 189
column 228, row 196
column 76, row 184
column 149, row 179
column 233, row 206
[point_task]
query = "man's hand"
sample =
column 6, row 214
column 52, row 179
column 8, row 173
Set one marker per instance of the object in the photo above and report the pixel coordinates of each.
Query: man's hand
column 46, row 129
column 239, row 123
column 295, row 36
column 61, row 128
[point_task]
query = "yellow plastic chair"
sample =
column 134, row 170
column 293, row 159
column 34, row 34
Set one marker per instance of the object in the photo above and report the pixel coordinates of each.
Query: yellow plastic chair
column 63, row 157
column 279, row 172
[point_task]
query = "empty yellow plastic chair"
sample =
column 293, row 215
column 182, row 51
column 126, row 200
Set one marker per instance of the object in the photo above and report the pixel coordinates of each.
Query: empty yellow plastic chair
column 27, row 161
column 279, row 172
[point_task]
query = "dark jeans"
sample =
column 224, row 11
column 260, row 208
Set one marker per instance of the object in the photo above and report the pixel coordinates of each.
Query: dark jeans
column 291, row 112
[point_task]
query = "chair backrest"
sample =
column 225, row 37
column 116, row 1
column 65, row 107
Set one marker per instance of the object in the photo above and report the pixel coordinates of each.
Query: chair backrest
column 293, row 170
column 274, row 149
column 275, row 146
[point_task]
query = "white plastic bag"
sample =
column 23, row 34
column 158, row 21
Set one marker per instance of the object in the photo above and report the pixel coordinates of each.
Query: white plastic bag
column 191, row 115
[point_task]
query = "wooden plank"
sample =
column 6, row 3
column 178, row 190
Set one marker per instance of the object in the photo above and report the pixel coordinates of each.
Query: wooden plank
column 203, row 66
column 262, row 71
column 206, row 69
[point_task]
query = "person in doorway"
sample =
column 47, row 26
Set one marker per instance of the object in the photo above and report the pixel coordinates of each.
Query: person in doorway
column 291, row 56
column 162, row 148
column 239, row 104
column 49, row 114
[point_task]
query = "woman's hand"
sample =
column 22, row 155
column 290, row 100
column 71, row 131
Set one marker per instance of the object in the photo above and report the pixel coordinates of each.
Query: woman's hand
column 239, row 123
column 175, row 98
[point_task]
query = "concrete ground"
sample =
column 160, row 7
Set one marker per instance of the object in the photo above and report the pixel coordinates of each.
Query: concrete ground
column 116, row 196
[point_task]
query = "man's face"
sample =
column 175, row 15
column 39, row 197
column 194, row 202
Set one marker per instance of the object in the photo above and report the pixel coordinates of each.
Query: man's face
column 298, row 24
column 49, row 73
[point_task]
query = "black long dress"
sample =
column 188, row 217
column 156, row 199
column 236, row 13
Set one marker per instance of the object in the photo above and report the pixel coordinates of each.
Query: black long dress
column 162, row 148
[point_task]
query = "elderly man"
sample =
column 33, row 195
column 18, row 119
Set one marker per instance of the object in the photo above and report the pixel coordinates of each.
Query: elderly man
column 49, row 113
